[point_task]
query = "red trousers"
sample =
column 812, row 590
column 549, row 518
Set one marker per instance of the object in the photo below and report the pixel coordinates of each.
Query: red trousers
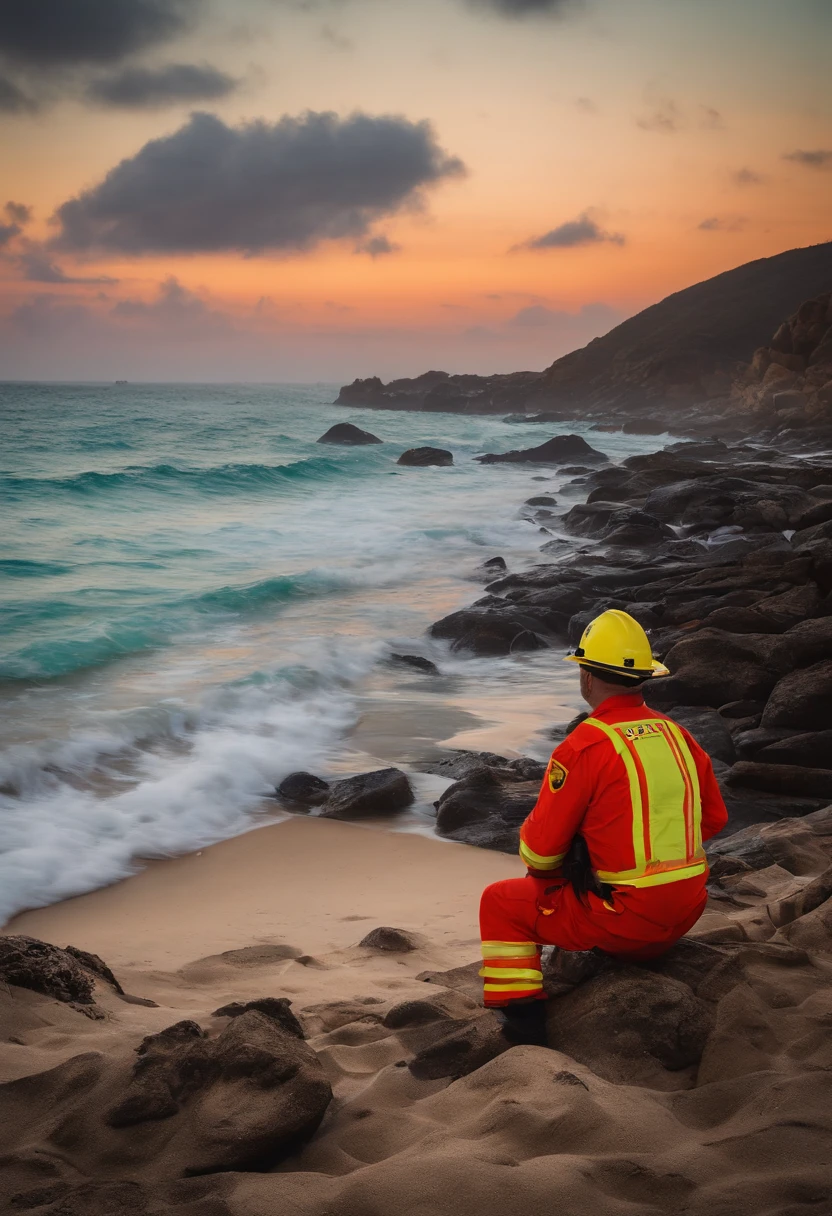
column 519, row 915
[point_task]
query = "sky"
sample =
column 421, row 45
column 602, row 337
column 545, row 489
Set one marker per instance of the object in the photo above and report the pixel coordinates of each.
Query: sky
column 314, row 190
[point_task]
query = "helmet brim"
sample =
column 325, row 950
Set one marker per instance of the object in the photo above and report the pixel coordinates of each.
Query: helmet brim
column 657, row 669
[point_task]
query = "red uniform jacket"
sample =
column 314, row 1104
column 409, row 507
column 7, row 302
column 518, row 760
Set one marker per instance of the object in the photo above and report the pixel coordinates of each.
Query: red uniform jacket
column 587, row 790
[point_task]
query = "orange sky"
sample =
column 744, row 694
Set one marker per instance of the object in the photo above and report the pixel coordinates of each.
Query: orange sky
column 644, row 118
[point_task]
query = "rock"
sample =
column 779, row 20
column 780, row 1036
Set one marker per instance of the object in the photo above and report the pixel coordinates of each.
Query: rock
column 304, row 788
column 591, row 518
column 749, row 743
column 240, row 1101
column 802, row 699
column 394, row 941
column 96, row 965
column 559, row 450
column 752, row 807
column 636, row 530
column 27, row 962
column 346, row 433
column 436, row 1007
column 492, row 568
column 811, row 750
column 462, row 1052
column 805, row 644
column 712, row 667
column 644, row 426
column 383, row 792
column 708, row 729
column 742, row 709
column 416, row 661
column 421, row 458
column 630, row 1025
column 485, row 810
column 464, row 979
column 784, row 911
column 542, row 500
column 275, row 1007
column 782, row 778
column 746, row 845
column 459, row 764
column 504, row 628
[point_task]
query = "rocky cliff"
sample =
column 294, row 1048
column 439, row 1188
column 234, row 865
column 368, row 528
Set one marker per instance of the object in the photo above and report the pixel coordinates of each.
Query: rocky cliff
column 688, row 349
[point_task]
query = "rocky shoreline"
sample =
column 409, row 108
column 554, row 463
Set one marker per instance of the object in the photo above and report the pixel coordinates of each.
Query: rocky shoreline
column 698, row 1083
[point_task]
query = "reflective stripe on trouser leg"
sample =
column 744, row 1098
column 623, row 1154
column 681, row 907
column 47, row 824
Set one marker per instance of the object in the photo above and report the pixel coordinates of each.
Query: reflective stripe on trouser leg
column 511, row 972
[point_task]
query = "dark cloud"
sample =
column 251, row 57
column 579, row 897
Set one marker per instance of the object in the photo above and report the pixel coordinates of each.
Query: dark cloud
column 7, row 233
column 582, row 231
column 18, row 213
column 746, row 177
column 526, row 8
column 38, row 267
column 377, row 246
column 817, row 158
column 13, row 100
column 261, row 186
column 716, row 223
column 138, row 88
column 61, row 33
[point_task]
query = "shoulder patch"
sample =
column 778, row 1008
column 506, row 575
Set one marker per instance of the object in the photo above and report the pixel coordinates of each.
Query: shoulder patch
column 556, row 774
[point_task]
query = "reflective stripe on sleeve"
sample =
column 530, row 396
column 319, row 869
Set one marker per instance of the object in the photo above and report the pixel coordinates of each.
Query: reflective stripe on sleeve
column 537, row 861
column 509, row 949
column 511, row 973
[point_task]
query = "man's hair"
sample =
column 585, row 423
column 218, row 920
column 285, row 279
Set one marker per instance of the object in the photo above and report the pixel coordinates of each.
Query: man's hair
column 631, row 683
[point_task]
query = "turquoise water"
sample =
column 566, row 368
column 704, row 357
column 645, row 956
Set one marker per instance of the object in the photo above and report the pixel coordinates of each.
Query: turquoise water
column 196, row 598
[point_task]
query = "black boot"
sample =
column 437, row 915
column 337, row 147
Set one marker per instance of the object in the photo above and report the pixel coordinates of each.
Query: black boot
column 524, row 1023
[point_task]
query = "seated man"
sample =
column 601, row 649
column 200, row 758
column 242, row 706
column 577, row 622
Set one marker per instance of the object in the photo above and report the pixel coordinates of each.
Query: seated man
column 642, row 794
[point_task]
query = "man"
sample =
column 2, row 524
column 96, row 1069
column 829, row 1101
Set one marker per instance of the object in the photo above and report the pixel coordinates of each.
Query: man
column 641, row 793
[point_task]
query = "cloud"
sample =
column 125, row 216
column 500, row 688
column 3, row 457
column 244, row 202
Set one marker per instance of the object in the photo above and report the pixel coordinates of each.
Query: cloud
column 176, row 307
column 817, row 158
column 586, row 105
column 13, row 100
column 582, row 231
column 377, row 246
column 18, row 213
column 715, row 223
column 138, row 88
column 746, row 177
column 60, row 33
column 710, row 119
column 261, row 186
column 38, row 267
column 526, row 8
column 7, row 233
column 598, row 317
column 666, row 117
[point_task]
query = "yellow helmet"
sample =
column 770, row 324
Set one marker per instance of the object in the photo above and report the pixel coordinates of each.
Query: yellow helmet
column 615, row 642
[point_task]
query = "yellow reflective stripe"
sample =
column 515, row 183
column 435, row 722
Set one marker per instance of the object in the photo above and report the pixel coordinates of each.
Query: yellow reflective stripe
column 538, row 862
column 511, row 973
column 517, row 988
column 635, row 789
column 657, row 878
column 509, row 949
column 694, row 777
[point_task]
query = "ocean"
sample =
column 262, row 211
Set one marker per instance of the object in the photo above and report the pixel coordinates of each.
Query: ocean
column 197, row 598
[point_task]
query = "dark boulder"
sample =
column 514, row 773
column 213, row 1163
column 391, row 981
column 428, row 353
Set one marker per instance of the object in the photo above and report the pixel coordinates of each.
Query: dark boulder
column 630, row 1026
column 802, row 699
column 708, row 729
column 711, row 667
column 811, row 750
column 416, row 661
column 560, row 450
column 542, row 500
column 636, row 529
column 461, row 1052
column 749, row 743
column 240, row 1101
column 275, row 1007
column 782, row 778
column 26, row 962
column 645, row 426
column 382, row 792
column 421, row 458
column 502, row 628
column 393, row 941
column 486, row 809
column 305, row 789
column 805, row 644
column 346, row 433
column 590, row 519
